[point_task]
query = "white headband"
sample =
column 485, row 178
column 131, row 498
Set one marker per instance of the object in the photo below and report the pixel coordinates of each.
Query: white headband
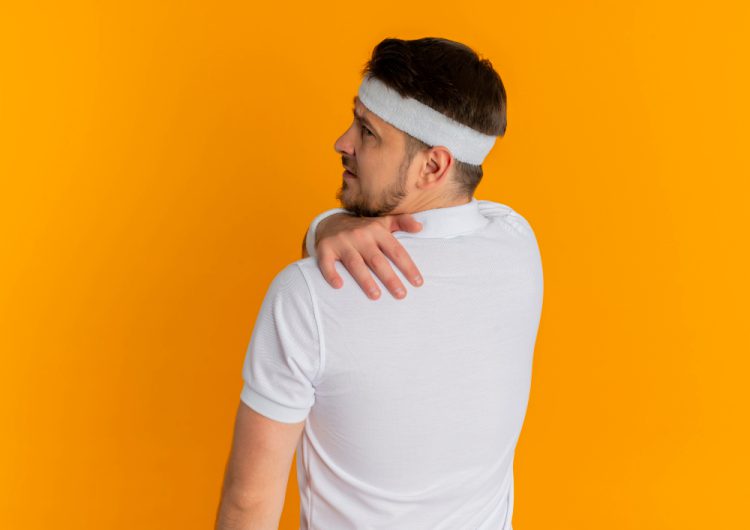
column 424, row 123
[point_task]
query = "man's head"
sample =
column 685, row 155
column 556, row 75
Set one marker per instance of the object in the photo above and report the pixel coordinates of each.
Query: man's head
column 396, row 172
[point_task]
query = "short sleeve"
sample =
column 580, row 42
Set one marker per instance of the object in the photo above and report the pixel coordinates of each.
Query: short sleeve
column 283, row 357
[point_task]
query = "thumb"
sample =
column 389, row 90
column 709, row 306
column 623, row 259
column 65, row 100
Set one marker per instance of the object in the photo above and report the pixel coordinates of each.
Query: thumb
column 406, row 222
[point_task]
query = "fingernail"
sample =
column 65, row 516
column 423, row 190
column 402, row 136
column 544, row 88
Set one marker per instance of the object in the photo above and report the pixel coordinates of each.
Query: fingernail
column 400, row 292
column 374, row 293
column 418, row 280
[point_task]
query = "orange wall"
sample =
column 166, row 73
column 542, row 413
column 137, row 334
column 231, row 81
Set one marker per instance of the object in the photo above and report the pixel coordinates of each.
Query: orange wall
column 158, row 166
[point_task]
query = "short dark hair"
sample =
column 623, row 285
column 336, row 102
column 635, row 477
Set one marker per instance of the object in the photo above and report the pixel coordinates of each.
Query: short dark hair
column 451, row 78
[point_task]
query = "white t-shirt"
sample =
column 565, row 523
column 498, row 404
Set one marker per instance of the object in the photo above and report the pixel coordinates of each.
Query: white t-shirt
column 413, row 407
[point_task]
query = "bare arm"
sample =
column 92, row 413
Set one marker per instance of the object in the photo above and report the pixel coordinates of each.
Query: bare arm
column 257, row 472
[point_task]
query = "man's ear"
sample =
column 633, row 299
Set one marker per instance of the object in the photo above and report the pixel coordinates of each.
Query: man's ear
column 438, row 162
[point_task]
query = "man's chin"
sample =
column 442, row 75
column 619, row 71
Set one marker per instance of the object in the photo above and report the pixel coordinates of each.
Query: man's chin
column 344, row 197
column 349, row 202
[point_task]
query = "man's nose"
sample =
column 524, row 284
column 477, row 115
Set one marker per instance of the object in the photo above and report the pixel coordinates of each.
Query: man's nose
column 345, row 143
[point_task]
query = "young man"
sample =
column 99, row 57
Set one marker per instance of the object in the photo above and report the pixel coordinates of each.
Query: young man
column 405, row 412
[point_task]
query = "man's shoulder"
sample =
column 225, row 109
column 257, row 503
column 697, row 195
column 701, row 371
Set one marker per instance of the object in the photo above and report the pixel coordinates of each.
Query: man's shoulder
column 301, row 267
column 504, row 215
column 290, row 281
column 306, row 273
column 303, row 278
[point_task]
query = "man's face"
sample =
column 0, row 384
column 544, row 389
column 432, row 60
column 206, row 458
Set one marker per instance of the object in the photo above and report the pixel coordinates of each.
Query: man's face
column 375, row 153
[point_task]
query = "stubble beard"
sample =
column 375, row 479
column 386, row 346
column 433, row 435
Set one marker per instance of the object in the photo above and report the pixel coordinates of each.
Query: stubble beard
column 390, row 198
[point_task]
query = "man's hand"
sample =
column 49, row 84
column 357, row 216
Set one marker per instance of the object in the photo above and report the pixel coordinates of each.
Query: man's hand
column 361, row 244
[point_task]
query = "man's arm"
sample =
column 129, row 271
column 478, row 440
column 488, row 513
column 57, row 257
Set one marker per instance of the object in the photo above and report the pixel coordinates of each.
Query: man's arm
column 257, row 472
column 282, row 362
column 361, row 244
column 364, row 244
column 310, row 242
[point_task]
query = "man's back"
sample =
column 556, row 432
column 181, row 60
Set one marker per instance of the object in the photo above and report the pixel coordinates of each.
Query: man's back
column 417, row 404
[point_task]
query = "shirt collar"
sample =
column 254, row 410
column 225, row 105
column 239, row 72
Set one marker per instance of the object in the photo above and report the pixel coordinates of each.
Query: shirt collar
column 447, row 222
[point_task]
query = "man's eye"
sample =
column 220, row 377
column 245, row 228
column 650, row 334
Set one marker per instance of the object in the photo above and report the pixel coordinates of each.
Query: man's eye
column 366, row 131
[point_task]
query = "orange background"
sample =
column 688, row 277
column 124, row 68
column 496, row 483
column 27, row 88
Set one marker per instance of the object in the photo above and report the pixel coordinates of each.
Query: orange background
column 160, row 162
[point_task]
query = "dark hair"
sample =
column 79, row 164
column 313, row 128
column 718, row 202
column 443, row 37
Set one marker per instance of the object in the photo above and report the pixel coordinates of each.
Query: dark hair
column 451, row 78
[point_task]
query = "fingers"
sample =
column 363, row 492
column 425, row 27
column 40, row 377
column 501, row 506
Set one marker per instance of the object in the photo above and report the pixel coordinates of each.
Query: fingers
column 368, row 244
column 366, row 249
column 400, row 257
column 405, row 222
column 369, row 252
column 352, row 260
column 379, row 264
column 357, row 267
column 326, row 264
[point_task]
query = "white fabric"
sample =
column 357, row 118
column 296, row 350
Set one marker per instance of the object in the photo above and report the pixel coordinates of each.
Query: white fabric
column 412, row 407
column 424, row 123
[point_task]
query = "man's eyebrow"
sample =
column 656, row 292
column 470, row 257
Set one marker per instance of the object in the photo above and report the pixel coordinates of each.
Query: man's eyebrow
column 359, row 118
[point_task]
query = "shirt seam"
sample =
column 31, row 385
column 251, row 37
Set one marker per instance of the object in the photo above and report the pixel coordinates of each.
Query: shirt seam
column 318, row 326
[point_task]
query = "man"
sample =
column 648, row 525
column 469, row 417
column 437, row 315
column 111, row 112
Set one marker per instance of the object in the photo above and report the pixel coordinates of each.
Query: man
column 404, row 412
